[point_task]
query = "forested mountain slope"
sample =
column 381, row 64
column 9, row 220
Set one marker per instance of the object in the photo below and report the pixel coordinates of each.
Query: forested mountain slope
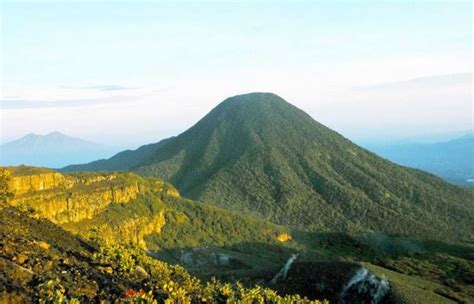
column 259, row 154
column 121, row 161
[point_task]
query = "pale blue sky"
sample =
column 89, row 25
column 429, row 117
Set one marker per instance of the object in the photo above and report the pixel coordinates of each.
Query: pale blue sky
column 130, row 73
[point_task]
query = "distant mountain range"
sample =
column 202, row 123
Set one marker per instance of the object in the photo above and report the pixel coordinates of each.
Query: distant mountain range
column 53, row 150
column 259, row 154
column 453, row 160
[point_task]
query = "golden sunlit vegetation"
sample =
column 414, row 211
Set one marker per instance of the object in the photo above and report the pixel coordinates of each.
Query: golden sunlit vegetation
column 173, row 284
column 5, row 190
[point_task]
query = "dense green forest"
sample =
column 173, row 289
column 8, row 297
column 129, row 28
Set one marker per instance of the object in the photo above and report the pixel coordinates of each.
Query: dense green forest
column 258, row 154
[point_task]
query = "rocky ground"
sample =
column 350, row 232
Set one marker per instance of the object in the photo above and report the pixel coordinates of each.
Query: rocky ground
column 39, row 260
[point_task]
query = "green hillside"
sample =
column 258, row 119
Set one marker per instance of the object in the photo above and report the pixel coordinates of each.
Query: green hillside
column 125, row 207
column 122, row 220
column 259, row 154
column 124, row 160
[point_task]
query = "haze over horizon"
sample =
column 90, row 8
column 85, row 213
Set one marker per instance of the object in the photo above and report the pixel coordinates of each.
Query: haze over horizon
column 124, row 74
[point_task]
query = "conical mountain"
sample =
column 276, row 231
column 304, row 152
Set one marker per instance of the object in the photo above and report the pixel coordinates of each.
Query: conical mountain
column 259, row 154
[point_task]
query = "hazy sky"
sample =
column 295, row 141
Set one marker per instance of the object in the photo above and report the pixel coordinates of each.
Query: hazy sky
column 133, row 73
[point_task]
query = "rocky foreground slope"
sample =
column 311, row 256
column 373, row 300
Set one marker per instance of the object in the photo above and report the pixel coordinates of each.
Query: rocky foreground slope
column 40, row 262
column 114, row 217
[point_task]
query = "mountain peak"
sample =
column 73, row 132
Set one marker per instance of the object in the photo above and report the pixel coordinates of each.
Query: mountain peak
column 56, row 134
column 31, row 135
column 51, row 150
column 257, row 153
column 254, row 112
column 255, row 99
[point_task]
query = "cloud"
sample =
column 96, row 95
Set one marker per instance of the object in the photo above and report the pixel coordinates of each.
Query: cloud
column 38, row 104
column 73, row 96
column 439, row 103
column 104, row 87
column 428, row 82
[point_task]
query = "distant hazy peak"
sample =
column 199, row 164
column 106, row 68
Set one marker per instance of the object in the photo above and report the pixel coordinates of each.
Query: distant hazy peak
column 53, row 136
column 54, row 150
column 56, row 133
